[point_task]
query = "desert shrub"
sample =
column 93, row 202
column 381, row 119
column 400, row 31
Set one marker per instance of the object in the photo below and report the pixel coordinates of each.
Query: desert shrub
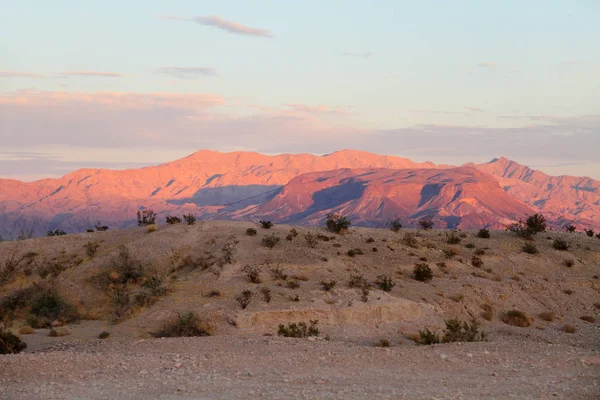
column 422, row 272
column 560, row 244
column 357, row 281
column 299, row 330
column 476, row 262
column 427, row 337
column 453, row 237
column 251, row 232
column 266, row 292
column 589, row 233
column 458, row 297
column 270, row 241
column 588, row 318
column 202, row 262
column 533, row 225
column 228, row 250
column 126, row 267
column 152, row 228
column 337, row 223
column 395, row 225
column 189, row 219
column 155, row 284
column 483, row 233
column 570, row 228
column 311, row 240
column 568, row 292
column 18, row 299
column 278, row 274
column 426, row 223
column 451, row 252
column 469, row 246
column 547, row 316
column 244, row 298
column 293, row 284
column 328, row 285
column 370, row 240
column 48, row 306
column 364, row 294
column 253, row 273
column 569, row 263
column 91, row 248
column 293, row 233
column 409, row 239
column 186, row 325
column 100, row 227
column 10, row 343
column 383, row 343
column 172, row 220
column 598, row 236
column 146, row 217
column 354, row 252
column 15, row 263
column 569, row 328
column 266, row 224
column 529, row 248
column 56, row 232
column 458, row 331
column 214, row 293
column 516, row 318
column 385, row 283
column 479, row 252
column 103, row 335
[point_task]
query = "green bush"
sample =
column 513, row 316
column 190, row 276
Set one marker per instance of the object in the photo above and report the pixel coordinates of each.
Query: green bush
column 48, row 306
column 427, row 337
column 299, row 330
column 456, row 331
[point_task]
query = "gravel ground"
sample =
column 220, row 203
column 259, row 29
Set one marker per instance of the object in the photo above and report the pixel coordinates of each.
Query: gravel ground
column 227, row 367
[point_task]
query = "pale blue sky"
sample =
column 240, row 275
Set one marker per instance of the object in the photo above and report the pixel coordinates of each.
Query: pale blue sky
column 311, row 76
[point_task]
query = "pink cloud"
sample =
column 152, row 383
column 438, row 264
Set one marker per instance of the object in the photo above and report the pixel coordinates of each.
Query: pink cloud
column 93, row 74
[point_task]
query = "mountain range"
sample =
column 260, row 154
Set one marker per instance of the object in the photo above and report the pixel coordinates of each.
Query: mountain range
column 370, row 189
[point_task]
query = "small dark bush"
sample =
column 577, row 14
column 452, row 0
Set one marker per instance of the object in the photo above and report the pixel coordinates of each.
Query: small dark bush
column 91, row 248
column 357, row 281
column 355, row 252
column 146, row 217
column 56, row 232
column 251, row 232
column 266, row 224
column 253, row 273
column 470, row 246
column 103, row 335
column 516, row 318
column 214, row 293
column 328, row 285
column 427, row 337
column 186, row 325
column 426, row 223
column 529, row 248
column 569, row 263
column 100, row 228
column 266, row 292
column 311, row 240
column 588, row 318
column 395, row 225
column 560, row 244
column 451, row 252
column 410, row 240
column 293, row 284
column 293, row 233
column 422, row 272
column 476, row 262
column 244, row 298
column 590, row 232
column 127, row 267
column 453, row 237
column 531, row 226
column 385, row 283
column 189, row 219
column 9, row 343
column 383, row 343
column 172, row 220
column 337, row 223
column 90, row 230
column 570, row 228
column 598, row 236
column 364, row 294
column 270, row 241
column 48, row 306
column 457, row 331
column 479, row 252
column 483, row 233
column 278, row 274
column 370, row 240
column 299, row 330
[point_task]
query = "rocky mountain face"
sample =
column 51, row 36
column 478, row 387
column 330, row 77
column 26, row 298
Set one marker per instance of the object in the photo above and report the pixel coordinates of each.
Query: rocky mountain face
column 299, row 188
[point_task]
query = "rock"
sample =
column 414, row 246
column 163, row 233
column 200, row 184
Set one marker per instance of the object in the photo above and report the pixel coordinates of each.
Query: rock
column 59, row 331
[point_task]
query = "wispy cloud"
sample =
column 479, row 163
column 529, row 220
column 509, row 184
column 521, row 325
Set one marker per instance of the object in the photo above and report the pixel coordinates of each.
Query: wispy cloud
column 20, row 74
column 93, row 74
column 475, row 109
column 319, row 109
column 367, row 54
column 486, row 64
column 187, row 72
column 221, row 23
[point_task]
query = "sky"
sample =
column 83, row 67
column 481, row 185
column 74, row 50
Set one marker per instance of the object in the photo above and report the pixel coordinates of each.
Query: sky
column 123, row 84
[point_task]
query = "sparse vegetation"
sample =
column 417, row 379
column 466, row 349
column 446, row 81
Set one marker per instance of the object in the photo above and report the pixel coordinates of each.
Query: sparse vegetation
column 278, row 274
column 311, row 240
column 395, row 225
column 266, row 292
column 458, row 331
column 56, row 232
column 589, row 232
column 409, row 239
column 100, row 227
column 452, row 237
column 569, row 263
column 292, row 284
column 560, row 244
column 48, row 306
column 355, row 252
column 244, row 298
column 266, row 224
column 427, row 337
column 588, row 318
column 516, row 318
column 270, row 241
column 569, row 328
column 253, row 273
column 189, row 219
column 476, row 262
column 337, row 223
column 385, row 283
column 10, row 343
column 451, row 252
column 152, row 228
column 483, row 233
column 570, row 228
column 422, row 272
column 251, row 232
column 547, row 316
column 531, row 226
column 529, row 248
column 383, row 343
column 172, row 220
column 103, row 335
column 91, row 248
column 299, row 330
column 293, row 233
column 186, row 325
column 146, row 217
column 357, row 281
column 328, row 285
